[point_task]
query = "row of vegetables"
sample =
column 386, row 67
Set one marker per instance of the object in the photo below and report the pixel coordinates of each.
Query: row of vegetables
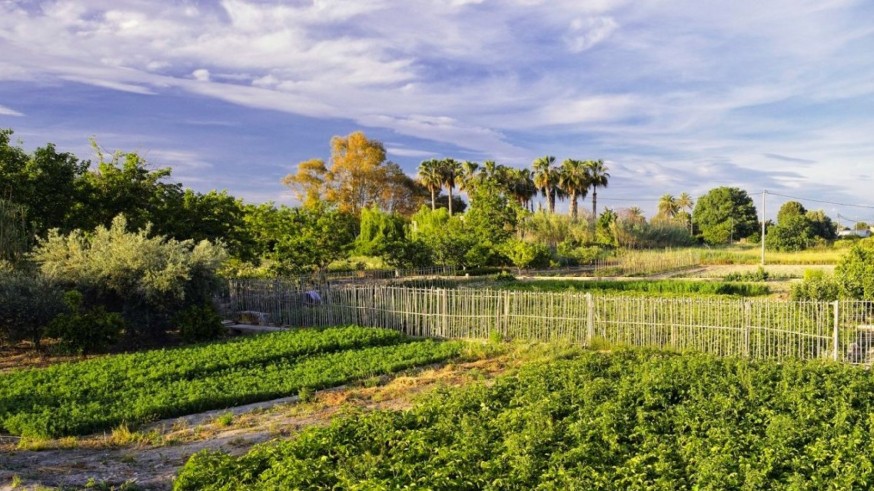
column 621, row 420
column 99, row 394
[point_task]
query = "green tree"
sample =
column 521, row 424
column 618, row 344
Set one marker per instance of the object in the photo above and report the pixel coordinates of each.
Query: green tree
column 597, row 177
column 793, row 232
column 573, row 179
column 378, row 230
column 725, row 212
column 668, row 208
column 790, row 209
column 312, row 238
column 855, row 271
column 431, row 179
column 546, row 179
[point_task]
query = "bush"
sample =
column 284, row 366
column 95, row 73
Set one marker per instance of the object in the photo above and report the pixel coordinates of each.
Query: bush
column 85, row 330
column 758, row 275
column 27, row 304
column 855, row 271
column 816, row 285
column 148, row 279
column 199, row 323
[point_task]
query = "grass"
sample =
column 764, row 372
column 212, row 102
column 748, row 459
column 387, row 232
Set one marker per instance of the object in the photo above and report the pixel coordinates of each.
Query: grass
column 753, row 255
column 648, row 287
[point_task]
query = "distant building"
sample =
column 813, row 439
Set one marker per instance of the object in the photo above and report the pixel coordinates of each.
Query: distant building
column 854, row 233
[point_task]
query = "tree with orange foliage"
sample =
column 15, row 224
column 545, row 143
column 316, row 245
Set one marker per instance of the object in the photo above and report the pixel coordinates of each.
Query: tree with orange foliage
column 359, row 177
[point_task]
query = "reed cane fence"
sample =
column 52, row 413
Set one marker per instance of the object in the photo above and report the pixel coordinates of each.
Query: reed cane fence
column 752, row 328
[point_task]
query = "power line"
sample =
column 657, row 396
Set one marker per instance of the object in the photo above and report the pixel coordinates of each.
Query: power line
column 869, row 207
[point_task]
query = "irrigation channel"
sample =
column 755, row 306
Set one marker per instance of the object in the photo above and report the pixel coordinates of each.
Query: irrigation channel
column 756, row 329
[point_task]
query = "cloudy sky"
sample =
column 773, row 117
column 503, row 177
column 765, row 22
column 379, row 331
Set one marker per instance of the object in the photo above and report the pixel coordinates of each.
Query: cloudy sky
column 675, row 95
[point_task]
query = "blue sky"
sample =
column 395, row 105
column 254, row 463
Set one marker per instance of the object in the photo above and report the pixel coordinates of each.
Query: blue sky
column 674, row 95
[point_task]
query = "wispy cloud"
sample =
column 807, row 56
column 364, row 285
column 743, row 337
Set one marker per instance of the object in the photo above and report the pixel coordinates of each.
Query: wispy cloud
column 5, row 111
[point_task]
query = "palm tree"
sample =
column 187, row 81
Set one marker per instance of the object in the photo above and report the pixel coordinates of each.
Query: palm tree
column 685, row 202
column 668, row 207
column 574, row 181
column 635, row 215
column 521, row 185
column 545, row 179
column 597, row 177
column 468, row 178
column 449, row 170
column 430, row 177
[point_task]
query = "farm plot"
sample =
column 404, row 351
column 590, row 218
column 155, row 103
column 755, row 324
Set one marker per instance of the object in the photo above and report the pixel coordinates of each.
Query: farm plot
column 642, row 287
column 82, row 397
column 622, row 420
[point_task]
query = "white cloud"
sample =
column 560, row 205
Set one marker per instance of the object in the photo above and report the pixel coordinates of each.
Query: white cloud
column 5, row 111
column 584, row 33
column 201, row 75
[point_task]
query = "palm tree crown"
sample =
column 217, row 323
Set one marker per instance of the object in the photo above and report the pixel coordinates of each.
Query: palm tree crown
column 430, row 177
column 546, row 179
column 574, row 180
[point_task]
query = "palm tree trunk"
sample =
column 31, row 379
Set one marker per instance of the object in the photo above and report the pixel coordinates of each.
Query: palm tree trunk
column 594, row 203
column 433, row 200
column 574, row 205
column 449, row 188
column 550, row 198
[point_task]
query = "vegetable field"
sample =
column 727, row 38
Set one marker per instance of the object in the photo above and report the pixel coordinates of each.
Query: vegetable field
column 660, row 288
column 628, row 420
column 83, row 397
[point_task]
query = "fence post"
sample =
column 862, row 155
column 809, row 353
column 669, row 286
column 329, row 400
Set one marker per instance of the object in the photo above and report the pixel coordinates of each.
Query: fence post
column 747, row 327
column 506, row 324
column 836, row 332
column 590, row 319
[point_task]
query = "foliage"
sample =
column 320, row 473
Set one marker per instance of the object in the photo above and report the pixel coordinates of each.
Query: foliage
column 358, row 177
column 798, row 229
column 758, row 275
column 85, row 330
column 816, row 285
column 623, row 420
column 309, row 239
column 149, row 279
column 199, row 323
column 652, row 287
column 725, row 212
column 377, row 229
column 14, row 236
column 525, row 254
column 98, row 394
column 28, row 302
column 855, row 271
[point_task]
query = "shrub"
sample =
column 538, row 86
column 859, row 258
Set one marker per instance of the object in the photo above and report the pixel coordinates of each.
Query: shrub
column 85, row 330
column 855, row 271
column 199, row 323
column 148, row 279
column 816, row 285
column 27, row 304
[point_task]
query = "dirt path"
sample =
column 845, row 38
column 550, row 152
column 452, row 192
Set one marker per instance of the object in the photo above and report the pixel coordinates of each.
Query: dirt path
column 152, row 456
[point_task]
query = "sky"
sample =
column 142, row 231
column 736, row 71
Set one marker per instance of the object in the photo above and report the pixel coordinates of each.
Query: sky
column 674, row 95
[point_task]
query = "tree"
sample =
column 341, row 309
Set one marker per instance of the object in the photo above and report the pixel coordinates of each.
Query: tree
column 468, row 177
column 597, row 176
column 430, row 177
column 14, row 231
column 725, row 212
column 402, row 194
column 449, row 170
column 793, row 232
column 668, row 208
column 378, row 229
column 573, row 179
column 546, row 179
column 855, row 271
column 311, row 239
column 309, row 183
column 685, row 203
column 789, row 209
column 521, row 186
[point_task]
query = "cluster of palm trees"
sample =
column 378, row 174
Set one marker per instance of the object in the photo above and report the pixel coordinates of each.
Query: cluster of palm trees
column 572, row 179
column 670, row 208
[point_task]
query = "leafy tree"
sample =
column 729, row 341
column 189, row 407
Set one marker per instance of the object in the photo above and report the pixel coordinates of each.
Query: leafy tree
column 525, row 254
column 725, row 212
column 14, row 231
column 377, row 230
column 215, row 217
column 790, row 209
column 823, row 226
column 309, row 182
column 28, row 302
column 492, row 216
column 855, row 271
column 793, row 232
column 401, row 194
column 605, row 227
column 310, row 239
column 597, row 176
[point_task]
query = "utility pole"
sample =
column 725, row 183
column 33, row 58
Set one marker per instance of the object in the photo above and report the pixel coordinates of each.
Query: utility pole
column 764, row 192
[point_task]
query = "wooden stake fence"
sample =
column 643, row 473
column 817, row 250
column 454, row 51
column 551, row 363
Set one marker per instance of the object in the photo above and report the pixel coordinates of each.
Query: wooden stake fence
column 757, row 329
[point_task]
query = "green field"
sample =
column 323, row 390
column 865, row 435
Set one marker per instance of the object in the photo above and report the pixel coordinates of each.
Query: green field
column 615, row 421
column 82, row 397
column 649, row 287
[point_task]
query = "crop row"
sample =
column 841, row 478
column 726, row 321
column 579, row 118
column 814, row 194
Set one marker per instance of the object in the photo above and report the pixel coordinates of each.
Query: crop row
column 626, row 420
column 99, row 394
